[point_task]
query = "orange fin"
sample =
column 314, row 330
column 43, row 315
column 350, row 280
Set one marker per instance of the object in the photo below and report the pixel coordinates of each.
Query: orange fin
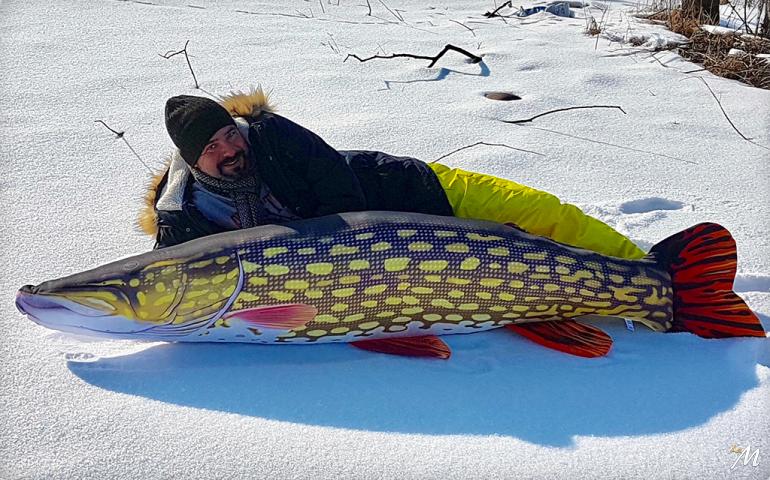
column 280, row 317
column 428, row 346
column 702, row 261
column 566, row 336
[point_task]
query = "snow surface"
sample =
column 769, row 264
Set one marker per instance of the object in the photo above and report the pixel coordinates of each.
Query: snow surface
column 659, row 406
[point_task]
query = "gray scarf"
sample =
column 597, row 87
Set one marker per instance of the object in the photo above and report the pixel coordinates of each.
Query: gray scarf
column 244, row 191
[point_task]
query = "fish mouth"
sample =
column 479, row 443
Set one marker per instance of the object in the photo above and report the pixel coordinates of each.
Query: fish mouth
column 59, row 313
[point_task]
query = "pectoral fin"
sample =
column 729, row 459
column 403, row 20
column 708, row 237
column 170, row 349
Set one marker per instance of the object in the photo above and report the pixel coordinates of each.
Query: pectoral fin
column 428, row 346
column 566, row 336
column 279, row 317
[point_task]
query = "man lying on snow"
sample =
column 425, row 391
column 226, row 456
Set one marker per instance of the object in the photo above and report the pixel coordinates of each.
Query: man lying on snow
column 240, row 165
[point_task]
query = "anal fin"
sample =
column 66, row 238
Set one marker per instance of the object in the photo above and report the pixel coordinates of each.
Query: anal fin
column 427, row 346
column 566, row 336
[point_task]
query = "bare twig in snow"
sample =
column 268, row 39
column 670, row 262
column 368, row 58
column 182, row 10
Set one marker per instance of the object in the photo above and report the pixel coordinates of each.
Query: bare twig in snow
column 171, row 53
column 494, row 13
column 434, row 59
column 488, row 144
column 527, row 120
column 121, row 135
column 464, row 25
column 395, row 14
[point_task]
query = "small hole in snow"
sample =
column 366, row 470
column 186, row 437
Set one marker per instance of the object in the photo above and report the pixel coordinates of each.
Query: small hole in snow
column 504, row 96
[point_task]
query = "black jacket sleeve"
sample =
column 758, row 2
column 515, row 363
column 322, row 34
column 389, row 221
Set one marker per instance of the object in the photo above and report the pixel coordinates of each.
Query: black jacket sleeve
column 302, row 170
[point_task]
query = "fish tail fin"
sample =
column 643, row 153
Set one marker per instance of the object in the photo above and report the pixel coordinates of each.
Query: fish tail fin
column 702, row 261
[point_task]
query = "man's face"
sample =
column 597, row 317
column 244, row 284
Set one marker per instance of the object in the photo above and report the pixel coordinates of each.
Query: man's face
column 225, row 154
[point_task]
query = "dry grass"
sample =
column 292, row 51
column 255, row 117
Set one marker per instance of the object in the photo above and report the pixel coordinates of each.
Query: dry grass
column 593, row 28
column 712, row 51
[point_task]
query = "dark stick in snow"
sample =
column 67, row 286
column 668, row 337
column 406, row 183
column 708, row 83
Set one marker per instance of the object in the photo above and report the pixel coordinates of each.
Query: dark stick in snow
column 121, row 135
column 527, row 120
column 171, row 53
column 434, row 59
column 495, row 14
column 488, row 144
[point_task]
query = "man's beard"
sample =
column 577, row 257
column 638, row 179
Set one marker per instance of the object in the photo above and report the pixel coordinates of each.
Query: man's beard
column 235, row 171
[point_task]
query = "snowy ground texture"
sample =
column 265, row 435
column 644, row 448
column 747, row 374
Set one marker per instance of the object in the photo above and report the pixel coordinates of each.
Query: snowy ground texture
column 659, row 406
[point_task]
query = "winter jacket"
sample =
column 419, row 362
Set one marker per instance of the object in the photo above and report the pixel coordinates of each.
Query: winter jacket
column 305, row 174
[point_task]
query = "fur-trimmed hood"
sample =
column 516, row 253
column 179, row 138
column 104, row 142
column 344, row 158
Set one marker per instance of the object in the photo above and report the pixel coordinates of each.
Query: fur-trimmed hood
column 238, row 104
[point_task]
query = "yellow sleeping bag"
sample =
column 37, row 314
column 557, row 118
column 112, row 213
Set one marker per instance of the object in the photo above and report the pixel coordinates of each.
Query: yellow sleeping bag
column 484, row 197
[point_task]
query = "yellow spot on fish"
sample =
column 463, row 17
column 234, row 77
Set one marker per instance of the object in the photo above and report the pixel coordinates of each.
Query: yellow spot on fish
column 456, row 293
column 624, row 293
column 396, row 328
column 542, row 268
column 412, row 310
column 433, row 278
column 349, row 279
column 296, row 285
column 380, row 246
column 482, row 238
column 202, row 263
column 403, row 286
column 396, row 264
column 317, row 333
column 484, row 295
column 618, row 268
column 339, row 330
column 410, row 300
column 517, row 267
column 534, row 256
column 247, row 297
column 375, row 289
column 570, row 289
column 323, row 268
column 343, row 250
column 592, row 283
column 481, row 317
column 326, row 319
column 250, row 267
column 368, row 325
column 577, row 276
column 217, row 279
column 491, row 282
column 133, row 282
column 340, row 307
column 656, row 300
column 457, row 281
column 433, row 265
column 358, row 264
column 498, row 308
column 587, row 293
column 279, row 295
column 393, row 301
column 257, row 281
column 445, row 233
column 468, row 306
column 273, row 251
column 498, row 251
column 561, row 270
column 420, row 246
column 405, row 233
column 369, row 304
column 306, row 251
column 470, row 263
column 598, row 304
column 566, row 307
column 432, row 317
column 422, row 290
column 506, row 297
column 616, row 278
column 164, row 300
column 516, row 284
column 511, row 315
column 222, row 260
column 385, row 314
column 228, row 291
column 402, row 319
column 495, row 266
column 160, row 287
column 364, row 236
column 343, row 292
column 276, row 270
column 442, row 303
column 453, row 317
column 540, row 276
column 565, row 260
column 141, row 298
column 457, row 248
column 550, row 287
column 643, row 280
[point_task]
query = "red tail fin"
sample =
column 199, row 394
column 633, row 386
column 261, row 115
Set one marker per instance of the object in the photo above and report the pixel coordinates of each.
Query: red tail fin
column 702, row 261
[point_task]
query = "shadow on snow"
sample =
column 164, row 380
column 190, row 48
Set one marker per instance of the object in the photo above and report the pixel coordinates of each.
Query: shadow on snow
column 496, row 383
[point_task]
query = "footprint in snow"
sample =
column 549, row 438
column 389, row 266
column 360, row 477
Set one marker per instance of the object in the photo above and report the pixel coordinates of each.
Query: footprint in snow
column 645, row 205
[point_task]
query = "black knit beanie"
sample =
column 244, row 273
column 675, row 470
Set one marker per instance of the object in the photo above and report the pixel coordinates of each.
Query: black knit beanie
column 192, row 121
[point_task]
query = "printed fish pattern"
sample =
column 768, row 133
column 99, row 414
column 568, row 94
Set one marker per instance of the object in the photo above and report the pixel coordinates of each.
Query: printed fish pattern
column 393, row 282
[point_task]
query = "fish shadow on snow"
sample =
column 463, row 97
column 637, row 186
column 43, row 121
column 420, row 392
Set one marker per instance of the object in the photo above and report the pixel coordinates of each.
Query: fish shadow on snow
column 495, row 383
